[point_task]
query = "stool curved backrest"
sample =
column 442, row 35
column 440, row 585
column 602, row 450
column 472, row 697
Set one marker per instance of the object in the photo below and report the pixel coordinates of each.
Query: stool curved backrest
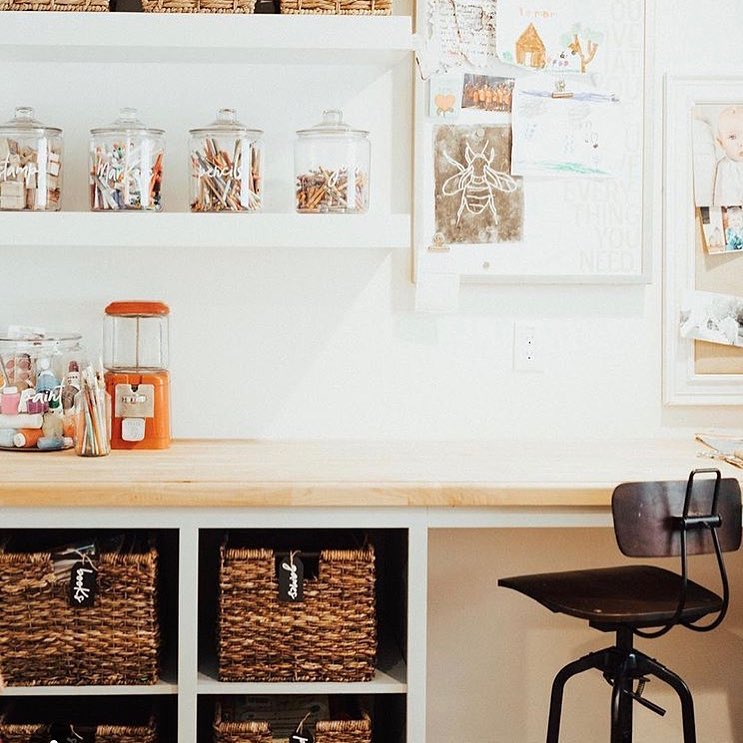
column 677, row 518
column 646, row 516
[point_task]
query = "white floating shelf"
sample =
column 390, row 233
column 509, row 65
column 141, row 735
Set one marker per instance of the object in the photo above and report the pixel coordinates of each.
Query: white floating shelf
column 185, row 230
column 198, row 38
column 162, row 687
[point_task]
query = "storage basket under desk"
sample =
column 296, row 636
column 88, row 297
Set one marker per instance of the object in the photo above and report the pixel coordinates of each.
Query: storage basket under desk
column 27, row 721
column 44, row 641
column 331, row 636
column 88, row 6
column 330, row 731
column 337, row 7
column 198, row 6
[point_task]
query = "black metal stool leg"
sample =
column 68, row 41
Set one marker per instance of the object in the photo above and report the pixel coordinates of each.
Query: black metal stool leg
column 677, row 684
column 621, row 707
column 586, row 663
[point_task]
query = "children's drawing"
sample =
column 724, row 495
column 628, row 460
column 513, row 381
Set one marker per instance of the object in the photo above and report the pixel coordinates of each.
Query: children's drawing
column 462, row 32
column 717, row 141
column 477, row 199
column 571, row 129
column 558, row 35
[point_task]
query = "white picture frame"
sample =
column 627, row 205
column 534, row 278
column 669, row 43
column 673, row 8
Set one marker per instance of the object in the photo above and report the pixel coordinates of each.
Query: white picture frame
column 517, row 263
column 682, row 385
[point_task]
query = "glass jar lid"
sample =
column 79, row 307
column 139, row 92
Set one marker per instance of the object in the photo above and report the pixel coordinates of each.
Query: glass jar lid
column 128, row 123
column 227, row 123
column 33, row 338
column 24, row 123
column 332, row 125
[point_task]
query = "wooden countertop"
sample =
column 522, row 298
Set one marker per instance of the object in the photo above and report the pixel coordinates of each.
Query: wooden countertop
column 278, row 474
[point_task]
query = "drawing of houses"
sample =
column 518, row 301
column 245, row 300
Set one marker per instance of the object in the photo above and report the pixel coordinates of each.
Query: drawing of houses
column 530, row 50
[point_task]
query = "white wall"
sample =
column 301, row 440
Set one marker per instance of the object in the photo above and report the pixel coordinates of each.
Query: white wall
column 493, row 653
column 325, row 343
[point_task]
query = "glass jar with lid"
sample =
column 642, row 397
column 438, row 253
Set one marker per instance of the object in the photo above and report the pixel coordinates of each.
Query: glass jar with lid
column 39, row 379
column 30, row 164
column 126, row 165
column 226, row 166
column 331, row 161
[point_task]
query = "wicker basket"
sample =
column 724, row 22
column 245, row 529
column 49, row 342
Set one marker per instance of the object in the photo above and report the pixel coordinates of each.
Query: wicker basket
column 334, row 731
column 331, row 636
column 198, row 6
column 15, row 728
column 337, row 7
column 87, row 6
column 46, row 642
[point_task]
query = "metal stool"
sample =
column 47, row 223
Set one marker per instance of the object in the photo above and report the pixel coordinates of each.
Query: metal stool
column 651, row 519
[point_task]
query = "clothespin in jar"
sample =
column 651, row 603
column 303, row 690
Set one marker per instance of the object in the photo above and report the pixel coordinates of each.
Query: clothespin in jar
column 561, row 90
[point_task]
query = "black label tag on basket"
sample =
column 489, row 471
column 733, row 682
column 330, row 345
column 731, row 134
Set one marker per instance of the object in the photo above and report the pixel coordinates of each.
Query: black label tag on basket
column 83, row 584
column 301, row 738
column 291, row 579
column 66, row 733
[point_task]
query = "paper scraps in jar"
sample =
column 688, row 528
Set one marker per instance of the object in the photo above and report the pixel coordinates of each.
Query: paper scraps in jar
column 565, row 128
column 715, row 318
column 461, row 32
column 476, row 198
column 722, row 228
column 564, row 36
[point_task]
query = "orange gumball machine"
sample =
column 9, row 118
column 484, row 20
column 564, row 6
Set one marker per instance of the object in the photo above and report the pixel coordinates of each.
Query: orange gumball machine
column 135, row 340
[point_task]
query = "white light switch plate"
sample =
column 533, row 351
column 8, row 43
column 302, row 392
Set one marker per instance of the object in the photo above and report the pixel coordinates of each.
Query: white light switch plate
column 527, row 347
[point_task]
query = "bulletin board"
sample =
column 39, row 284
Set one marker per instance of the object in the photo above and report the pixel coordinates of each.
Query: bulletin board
column 698, row 372
column 564, row 228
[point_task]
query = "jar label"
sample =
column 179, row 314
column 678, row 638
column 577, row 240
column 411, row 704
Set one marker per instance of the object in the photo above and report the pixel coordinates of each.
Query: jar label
column 134, row 401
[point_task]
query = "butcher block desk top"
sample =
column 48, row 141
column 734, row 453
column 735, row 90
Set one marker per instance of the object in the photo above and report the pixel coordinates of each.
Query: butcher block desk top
column 235, row 473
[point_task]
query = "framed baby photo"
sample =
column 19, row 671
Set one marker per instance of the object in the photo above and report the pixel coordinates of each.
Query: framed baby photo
column 703, row 241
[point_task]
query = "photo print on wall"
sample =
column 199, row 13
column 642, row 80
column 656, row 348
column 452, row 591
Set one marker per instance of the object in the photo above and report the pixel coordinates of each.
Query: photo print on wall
column 477, row 200
column 717, row 133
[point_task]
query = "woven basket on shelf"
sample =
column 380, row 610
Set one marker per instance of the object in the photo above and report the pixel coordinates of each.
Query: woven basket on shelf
column 78, row 6
column 331, row 636
column 337, row 7
column 15, row 732
column 333, row 731
column 198, row 6
column 46, row 642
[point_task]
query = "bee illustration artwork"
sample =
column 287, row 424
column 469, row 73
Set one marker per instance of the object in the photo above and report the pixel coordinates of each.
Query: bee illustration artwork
column 477, row 200
column 477, row 182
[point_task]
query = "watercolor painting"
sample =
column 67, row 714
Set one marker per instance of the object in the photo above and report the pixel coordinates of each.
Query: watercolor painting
column 477, row 200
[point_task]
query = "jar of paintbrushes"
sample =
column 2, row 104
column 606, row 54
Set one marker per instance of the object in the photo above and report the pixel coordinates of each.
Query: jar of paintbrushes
column 92, row 415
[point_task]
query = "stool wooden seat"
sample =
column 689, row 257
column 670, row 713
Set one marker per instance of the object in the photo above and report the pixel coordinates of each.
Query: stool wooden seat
column 651, row 519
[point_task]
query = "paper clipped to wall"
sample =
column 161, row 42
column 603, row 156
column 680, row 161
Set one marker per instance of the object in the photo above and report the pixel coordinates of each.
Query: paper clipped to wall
column 570, row 130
